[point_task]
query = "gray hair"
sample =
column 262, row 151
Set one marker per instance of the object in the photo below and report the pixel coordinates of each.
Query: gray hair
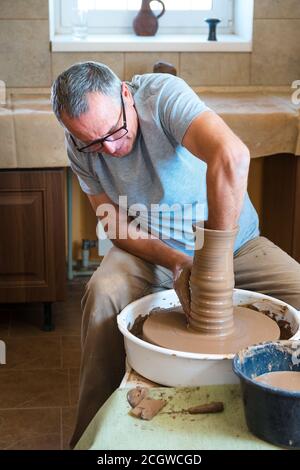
column 69, row 91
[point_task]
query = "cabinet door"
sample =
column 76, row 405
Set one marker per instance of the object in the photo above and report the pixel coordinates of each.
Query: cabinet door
column 281, row 202
column 32, row 236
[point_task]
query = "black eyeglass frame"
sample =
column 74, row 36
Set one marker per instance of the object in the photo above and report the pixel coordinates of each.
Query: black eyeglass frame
column 106, row 138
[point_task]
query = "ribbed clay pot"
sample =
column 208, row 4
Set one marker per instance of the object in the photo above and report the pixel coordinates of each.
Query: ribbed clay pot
column 212, row 282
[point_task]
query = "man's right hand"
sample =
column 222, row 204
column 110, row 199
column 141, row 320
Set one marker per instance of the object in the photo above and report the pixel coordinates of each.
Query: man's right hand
column 181, row 282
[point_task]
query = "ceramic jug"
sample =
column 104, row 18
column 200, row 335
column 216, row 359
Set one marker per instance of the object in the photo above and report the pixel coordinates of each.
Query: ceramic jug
column 146, row 22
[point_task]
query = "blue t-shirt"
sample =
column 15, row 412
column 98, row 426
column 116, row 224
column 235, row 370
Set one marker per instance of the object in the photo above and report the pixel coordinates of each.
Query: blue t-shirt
column 160, row 181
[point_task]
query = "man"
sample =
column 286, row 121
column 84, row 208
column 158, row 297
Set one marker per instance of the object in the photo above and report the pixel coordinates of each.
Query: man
column 154, row 141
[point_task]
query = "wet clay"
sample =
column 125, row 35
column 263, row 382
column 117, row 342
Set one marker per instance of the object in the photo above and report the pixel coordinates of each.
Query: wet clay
column 148, row 408
column 215, row 326
column 212, row 282
column 143, row 406
column 168, row 328
column 285, row 380
column 136, row 395
column 277, row 313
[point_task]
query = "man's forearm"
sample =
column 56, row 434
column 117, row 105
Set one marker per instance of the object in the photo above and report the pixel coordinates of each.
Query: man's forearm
column 226, row 188
column 154, row 251
column 227, row 158
column 125, row 233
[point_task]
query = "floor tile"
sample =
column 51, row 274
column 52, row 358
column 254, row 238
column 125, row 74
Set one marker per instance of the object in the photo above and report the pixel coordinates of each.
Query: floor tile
column 30, row 389
column 33, row 352
column 30, row 429
column 68, row 423
column 74, row 385
column 71, row 352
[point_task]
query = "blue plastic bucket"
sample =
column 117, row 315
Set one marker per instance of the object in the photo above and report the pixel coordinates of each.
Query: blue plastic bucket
column 271, row 413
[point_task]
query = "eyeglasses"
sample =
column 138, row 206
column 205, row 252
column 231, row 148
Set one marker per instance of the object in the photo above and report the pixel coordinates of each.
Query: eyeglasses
column 97, row 145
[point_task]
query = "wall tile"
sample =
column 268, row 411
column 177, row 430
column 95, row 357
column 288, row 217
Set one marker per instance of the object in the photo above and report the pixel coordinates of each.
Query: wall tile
column 277, row 9
column 8, row 157
column 276, row 52
column 49, row 149
column 24, row 53
column 141, row 62
column 24, row 9
column 25, row 60
column 215, row 68
column 62, row 60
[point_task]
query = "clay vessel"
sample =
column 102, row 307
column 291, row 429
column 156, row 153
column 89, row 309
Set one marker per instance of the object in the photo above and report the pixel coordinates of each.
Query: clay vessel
column 212, row 23
column 212, row 282
column 164, row 67
column 146, row 22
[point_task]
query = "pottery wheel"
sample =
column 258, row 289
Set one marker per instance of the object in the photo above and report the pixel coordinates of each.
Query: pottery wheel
column 168, row 328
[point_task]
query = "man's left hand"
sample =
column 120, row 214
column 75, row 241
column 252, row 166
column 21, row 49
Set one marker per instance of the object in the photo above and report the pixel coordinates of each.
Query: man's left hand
column 181, row 281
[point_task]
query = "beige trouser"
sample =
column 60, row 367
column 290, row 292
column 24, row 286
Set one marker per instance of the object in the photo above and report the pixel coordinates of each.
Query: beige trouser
column 122, row 278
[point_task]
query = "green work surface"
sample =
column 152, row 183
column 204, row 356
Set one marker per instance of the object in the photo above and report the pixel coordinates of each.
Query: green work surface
column 113, row 428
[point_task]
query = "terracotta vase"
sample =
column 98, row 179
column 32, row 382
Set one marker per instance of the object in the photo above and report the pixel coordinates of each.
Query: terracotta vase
column 146, row 22
column 212, row 282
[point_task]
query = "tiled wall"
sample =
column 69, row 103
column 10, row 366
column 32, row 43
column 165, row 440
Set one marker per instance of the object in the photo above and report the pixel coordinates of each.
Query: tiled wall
column 26, row 60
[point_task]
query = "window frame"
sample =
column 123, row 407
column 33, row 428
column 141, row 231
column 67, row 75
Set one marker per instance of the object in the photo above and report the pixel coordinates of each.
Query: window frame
column 240, row 40
column 192, row 22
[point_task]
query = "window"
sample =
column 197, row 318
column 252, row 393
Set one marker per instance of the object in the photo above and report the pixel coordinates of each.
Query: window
column 181, row 28
column 116, row 16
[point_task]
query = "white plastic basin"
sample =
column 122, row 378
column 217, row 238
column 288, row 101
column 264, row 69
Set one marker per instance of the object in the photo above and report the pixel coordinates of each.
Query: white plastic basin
column 177, row 368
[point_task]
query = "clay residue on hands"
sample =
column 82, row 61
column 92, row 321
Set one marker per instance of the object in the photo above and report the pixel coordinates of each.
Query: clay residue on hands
column 143, row 406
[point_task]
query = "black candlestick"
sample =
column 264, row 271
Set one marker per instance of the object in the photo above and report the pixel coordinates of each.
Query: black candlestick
column 212, row 23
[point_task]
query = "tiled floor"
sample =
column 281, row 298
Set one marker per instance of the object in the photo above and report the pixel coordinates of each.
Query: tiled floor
column 39, row 383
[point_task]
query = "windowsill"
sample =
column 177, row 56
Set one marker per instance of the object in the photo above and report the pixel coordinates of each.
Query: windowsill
column 132, row 43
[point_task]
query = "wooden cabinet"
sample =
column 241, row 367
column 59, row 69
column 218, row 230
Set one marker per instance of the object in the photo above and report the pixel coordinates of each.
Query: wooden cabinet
column 281, row 202
column 32, row 237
